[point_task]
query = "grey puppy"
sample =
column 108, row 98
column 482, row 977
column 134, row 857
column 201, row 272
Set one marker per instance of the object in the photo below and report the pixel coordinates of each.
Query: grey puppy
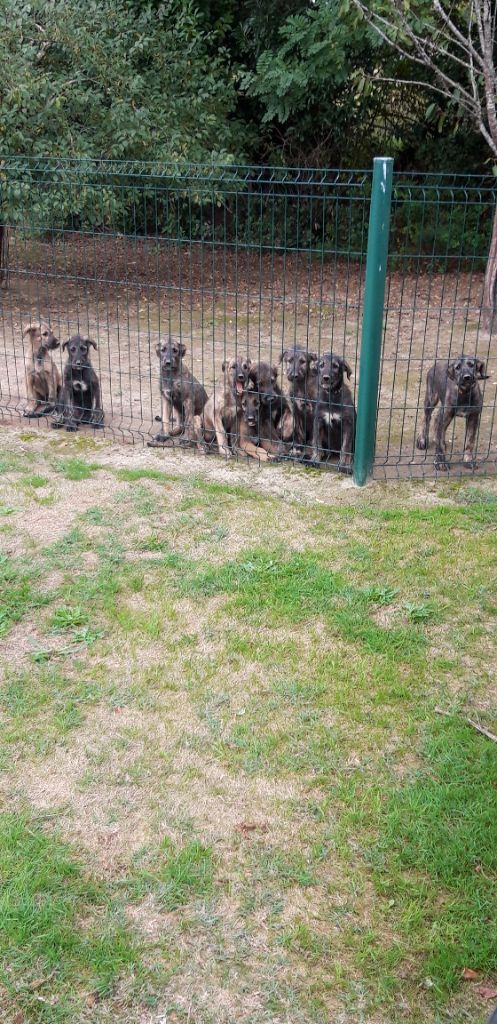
column 300, row 369
column 455, row 385
column 183, row 395
column 334, row 418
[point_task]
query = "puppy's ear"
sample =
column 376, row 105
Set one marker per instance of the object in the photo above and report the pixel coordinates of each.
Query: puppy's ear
column 480, row 366
column 312, row 357
column 225, row 364
column 346, row 367
column 29, row 331
column 90, row 341
column 182, row 348
column 451, row 371
column 65, row 344
column 158, row 349
column 283, row 356
column 274, row 373
column 248, row 362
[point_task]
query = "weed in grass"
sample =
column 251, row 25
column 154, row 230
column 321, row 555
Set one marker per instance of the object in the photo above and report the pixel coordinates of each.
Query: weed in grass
column 175, row 877
column 37, row 481
column 8, row 510
column 75, row 469
column 421, row 612
column 94, row 515
column 66, row 618
column 132, row 475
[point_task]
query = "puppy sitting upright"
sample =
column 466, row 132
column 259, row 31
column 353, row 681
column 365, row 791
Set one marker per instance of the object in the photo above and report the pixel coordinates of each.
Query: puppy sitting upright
column 455, row 385
column 183, row 395
column 80, row 400
column 42, row 375
column 334, row 418
column 301, row 372
column 220, row 416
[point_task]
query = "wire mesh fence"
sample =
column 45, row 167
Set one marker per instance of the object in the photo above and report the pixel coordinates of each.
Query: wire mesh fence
column 232, row 264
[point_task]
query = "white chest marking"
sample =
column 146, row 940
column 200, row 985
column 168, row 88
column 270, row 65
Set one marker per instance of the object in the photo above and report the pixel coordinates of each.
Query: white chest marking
column 331, row 417
column 80, row 385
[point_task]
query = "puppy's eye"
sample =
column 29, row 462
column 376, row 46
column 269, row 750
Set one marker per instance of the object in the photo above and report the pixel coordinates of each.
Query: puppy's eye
column 457, row 366
column 45, row 334
column 73, row 348
column 471, row 363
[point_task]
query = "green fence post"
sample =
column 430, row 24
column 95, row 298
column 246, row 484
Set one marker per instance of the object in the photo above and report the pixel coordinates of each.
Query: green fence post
column 372, row 324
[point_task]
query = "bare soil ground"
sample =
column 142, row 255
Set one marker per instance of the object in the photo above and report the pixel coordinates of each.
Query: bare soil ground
column 220, row 299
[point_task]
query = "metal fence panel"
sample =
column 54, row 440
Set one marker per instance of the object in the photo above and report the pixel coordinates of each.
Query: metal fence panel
column 242, row 261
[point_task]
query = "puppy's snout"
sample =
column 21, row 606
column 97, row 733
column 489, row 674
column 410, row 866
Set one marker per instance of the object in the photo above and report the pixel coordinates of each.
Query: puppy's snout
column 240, row 376
column 467, row 376
column 325, row 377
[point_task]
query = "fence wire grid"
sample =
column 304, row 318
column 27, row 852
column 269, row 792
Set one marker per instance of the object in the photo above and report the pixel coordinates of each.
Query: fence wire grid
column 246, row 262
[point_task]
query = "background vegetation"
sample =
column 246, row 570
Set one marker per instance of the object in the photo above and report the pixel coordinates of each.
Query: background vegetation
column 291, row 82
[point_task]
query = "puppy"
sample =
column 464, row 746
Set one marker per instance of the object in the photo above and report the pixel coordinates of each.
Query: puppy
column 300, row 368
column 263, row 379
column 248, row 440
column 42, row 375
column 182, row 394
column 455, row 385
column 334, row 417
column 219, row 419
column 80, row 400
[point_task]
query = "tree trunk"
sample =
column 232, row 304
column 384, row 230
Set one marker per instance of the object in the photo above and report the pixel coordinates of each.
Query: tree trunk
column 490, row 286
column 4, row 256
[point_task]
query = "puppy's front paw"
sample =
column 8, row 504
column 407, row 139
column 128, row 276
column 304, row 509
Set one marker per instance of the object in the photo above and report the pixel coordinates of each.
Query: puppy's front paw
column 421, row 443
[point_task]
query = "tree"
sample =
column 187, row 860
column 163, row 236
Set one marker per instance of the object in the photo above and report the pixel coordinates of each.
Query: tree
column 112, row 79
column 456, row 44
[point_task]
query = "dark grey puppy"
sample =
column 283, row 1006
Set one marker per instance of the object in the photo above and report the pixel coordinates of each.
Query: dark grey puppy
column 455, row 385
column 80, row 399
column 334, row 417
column 301, row 372
column 183, row 395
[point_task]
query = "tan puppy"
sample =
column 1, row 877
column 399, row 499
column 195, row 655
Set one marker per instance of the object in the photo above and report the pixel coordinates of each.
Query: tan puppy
column 42, row 375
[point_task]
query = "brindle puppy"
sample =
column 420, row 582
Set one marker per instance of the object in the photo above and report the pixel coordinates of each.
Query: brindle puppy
column 263, row 379
column 42, row 375
column 334, row 418
column 300, row 368
column 248, row 441
column 183, row 395
column 455, row 385
column 219, row 419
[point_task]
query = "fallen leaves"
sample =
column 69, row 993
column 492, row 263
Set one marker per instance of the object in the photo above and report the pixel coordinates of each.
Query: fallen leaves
column 248, row 827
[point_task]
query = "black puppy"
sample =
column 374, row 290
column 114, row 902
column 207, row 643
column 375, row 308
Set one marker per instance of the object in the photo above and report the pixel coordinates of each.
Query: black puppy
column 80, row 400
column 334, row 417
column 455, row 385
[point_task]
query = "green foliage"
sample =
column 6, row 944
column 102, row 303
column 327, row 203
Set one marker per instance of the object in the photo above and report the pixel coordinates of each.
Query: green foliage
column 100, row 78
column 107, row 80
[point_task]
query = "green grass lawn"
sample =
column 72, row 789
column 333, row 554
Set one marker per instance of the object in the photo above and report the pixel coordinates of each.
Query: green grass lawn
column 228, row 792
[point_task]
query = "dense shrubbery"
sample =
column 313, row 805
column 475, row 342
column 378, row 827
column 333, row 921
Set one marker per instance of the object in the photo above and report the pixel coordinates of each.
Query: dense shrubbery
column 288, row 83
